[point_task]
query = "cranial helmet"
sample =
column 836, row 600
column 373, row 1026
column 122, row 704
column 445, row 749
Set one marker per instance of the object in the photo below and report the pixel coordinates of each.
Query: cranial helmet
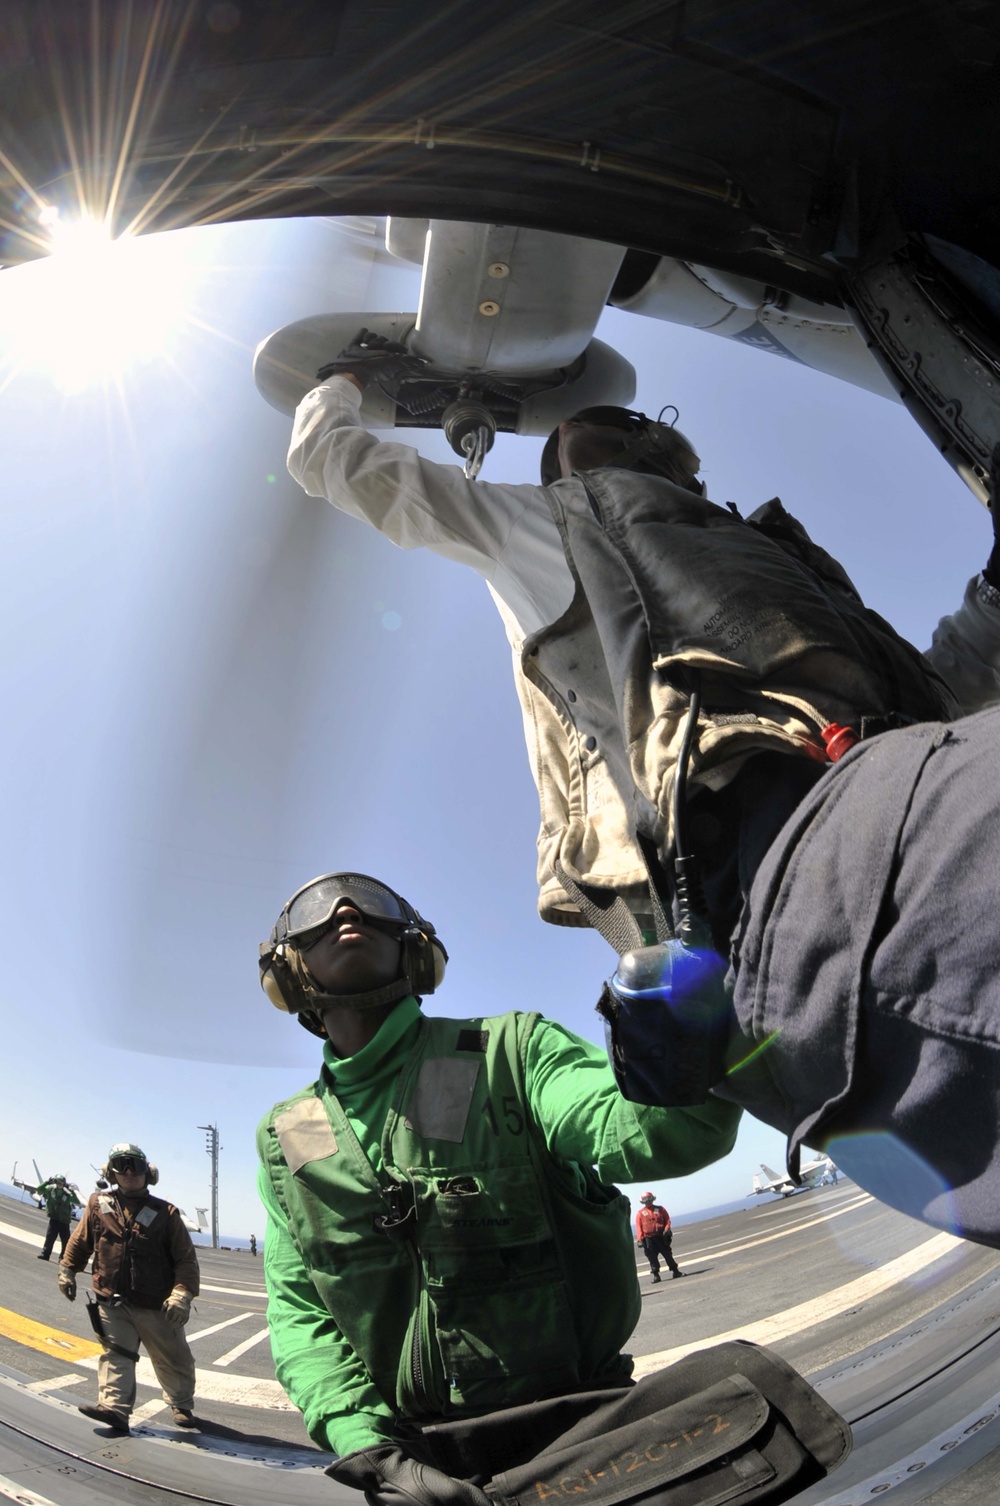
column 648, row 446
column 59, row 1178
column 647, row 1197
column 284, row 971
column 123, row 1152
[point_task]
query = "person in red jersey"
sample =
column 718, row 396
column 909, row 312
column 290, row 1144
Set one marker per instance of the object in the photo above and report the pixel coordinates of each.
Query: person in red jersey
column 655, row 1237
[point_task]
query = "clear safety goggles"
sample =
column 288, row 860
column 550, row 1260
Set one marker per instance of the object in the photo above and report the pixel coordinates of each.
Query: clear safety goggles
column 308, row 914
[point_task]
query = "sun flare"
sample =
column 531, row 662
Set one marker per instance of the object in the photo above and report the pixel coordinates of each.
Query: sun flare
column 94, row 306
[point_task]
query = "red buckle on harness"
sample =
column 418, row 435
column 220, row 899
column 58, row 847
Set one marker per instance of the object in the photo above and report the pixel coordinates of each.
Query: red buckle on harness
column 838, row 740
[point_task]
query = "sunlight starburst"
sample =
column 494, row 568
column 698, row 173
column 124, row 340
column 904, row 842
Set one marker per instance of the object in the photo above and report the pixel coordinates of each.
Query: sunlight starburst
column 95, row 305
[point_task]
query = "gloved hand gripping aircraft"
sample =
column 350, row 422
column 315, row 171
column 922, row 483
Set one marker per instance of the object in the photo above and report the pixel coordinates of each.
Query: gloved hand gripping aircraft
column 812, row 180
column 808, row 180
column 503, row 339
column 675, row 664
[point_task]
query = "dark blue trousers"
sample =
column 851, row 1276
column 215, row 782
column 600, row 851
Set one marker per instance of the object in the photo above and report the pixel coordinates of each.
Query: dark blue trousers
column 866, row 975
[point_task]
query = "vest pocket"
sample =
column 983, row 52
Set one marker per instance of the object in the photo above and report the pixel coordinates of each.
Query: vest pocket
column 457, row 1210
column 505, row 1343
column 499, row 1318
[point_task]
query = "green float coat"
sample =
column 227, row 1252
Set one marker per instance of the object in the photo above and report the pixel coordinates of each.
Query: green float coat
column 494, row 1301
column 522, row 1280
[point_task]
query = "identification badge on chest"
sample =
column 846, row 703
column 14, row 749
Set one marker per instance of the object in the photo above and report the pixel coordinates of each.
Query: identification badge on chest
column 145, row 1217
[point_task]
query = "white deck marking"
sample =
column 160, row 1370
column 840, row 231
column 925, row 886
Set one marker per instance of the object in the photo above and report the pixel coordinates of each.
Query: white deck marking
column 239, row 1390
column 203, row 1333
column 259, row 1392
column 794, row 1319
column 148, row 1409
column 11, row 1491
column 234, row 1354
column 236, row 1291
column 763, row 1239
column 24, row 1235
column 27, row 1238
column 54, row 1383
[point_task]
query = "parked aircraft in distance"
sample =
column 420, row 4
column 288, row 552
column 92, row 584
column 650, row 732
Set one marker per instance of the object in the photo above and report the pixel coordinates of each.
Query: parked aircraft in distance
column 31, row 1188
column 813, row 1174
column 196, row 1225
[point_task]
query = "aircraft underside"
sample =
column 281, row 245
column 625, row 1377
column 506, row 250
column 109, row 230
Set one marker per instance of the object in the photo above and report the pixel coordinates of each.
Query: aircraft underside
column 780, row 168
column 812, row 179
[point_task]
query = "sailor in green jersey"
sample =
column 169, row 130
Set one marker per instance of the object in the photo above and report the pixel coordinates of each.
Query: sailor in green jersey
column 439, row 1243
column 60, row 1204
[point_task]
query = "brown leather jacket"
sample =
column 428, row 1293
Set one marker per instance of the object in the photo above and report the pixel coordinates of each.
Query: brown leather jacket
column 140, row 1246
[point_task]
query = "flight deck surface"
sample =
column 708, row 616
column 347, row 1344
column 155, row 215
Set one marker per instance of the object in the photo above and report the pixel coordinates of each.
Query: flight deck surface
column 898, row 1326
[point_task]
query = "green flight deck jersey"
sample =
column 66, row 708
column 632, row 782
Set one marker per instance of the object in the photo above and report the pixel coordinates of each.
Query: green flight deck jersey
column 502, row 1268
column 59, row 1201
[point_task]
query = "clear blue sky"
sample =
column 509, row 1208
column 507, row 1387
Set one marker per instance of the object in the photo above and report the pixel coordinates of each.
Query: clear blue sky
column 215, row 688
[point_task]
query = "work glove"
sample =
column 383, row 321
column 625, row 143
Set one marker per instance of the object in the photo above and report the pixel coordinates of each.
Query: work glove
column 371, row 357
column 177, row 1307
column 67, row 1282
column 390, row 1477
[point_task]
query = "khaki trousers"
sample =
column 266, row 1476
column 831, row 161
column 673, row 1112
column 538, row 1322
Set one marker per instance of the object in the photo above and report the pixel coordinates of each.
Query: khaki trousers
column 168, row 1352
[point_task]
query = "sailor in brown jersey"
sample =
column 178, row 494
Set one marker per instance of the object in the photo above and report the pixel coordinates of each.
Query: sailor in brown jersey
column 145, row 1275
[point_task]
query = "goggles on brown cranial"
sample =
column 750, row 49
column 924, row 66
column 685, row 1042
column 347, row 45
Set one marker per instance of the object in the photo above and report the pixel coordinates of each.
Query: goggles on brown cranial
column 310, row 912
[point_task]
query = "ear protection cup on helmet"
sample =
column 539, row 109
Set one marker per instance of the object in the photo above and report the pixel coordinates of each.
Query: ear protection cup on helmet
column 152, row 1174
column 424, row 958
column 278, row 981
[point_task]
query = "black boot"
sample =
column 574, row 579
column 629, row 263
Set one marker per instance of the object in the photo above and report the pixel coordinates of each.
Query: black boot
column 117, row 1421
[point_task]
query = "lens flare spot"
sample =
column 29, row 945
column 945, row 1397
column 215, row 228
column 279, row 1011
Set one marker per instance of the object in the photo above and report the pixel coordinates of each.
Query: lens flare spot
column 391, row 621
column 753, row 1055
column 891, row 1171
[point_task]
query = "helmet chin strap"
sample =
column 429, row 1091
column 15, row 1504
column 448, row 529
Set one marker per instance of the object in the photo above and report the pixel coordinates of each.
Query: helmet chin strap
column 372, row 998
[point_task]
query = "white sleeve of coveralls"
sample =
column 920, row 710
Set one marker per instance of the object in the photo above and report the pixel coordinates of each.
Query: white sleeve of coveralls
column 966, row 648
column 504, row 532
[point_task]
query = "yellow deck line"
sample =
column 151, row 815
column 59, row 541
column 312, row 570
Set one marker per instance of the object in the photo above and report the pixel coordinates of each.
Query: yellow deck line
column 65, row 1346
